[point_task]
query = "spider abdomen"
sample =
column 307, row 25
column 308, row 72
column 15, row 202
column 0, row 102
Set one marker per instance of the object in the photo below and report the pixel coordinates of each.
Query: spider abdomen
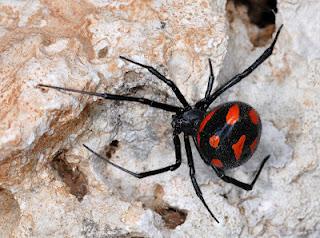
column 229, row 134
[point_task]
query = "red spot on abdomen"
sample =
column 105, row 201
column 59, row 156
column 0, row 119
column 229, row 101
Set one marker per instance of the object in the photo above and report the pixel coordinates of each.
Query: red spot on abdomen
column 217, row 163
column 214, row 141
column 238, row 147
column 254, row 116
column 233, row 114
column 203, row 124
column 253, row 145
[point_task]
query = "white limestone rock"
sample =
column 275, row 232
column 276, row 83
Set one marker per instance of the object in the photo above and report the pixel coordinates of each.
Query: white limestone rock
column 285, row 202
column 77, row 44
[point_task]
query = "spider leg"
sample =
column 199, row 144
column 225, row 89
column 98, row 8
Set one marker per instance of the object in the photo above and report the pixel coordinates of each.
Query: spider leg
column 236, row 79
column 200, row 104
column 233, row 181
column 169, row 82
column 238, row 183
column 172, row 167
column 149, row 102
column 193, row 173
column 210, row 81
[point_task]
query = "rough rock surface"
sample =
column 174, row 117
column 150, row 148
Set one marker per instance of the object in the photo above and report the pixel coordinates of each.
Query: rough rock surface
column 50, row 186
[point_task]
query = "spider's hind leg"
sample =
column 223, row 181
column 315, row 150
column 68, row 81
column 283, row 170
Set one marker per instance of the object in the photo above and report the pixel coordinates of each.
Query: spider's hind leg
column 238, row 183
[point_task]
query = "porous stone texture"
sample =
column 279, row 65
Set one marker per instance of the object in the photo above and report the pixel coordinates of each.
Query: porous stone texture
column 285, row 92
column 51, row 186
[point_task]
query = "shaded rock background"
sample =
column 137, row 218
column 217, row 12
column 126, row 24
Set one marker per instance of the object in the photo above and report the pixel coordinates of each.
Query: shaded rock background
column 50, row 186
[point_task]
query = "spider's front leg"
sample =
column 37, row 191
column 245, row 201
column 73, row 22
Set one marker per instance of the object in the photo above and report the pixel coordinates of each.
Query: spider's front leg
column 237, row 78
column 201, row 104
column 169, row 82
column 210, row 81
column 151, row 103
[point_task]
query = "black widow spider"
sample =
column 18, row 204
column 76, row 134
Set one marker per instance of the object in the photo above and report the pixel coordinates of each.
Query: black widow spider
column 225, row 137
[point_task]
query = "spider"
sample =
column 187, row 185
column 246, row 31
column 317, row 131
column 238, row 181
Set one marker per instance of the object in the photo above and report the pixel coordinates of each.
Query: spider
column 225, row 136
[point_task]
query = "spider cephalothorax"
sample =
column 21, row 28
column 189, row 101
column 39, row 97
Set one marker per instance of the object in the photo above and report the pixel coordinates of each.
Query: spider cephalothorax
column 187, row 121
column 225, row 136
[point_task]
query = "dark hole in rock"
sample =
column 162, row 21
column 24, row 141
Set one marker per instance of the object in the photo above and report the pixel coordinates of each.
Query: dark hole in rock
column 171, row 216
column 257, row 13
column 260, row 12
column 224, row 195
column 103, row 52
column 111, row 148
column 9, row 213
column 70, row 175
column 163, row 24
column 114, row 143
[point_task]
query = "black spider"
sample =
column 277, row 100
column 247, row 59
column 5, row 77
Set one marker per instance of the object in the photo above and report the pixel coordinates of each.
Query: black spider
column 225, row 137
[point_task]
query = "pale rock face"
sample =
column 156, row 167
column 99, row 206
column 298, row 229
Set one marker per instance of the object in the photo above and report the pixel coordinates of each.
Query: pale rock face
column 76, row 44
column 284, row 91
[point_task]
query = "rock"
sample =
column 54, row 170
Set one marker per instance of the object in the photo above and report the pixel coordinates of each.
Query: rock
column 286, row 200
column 52, row 185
